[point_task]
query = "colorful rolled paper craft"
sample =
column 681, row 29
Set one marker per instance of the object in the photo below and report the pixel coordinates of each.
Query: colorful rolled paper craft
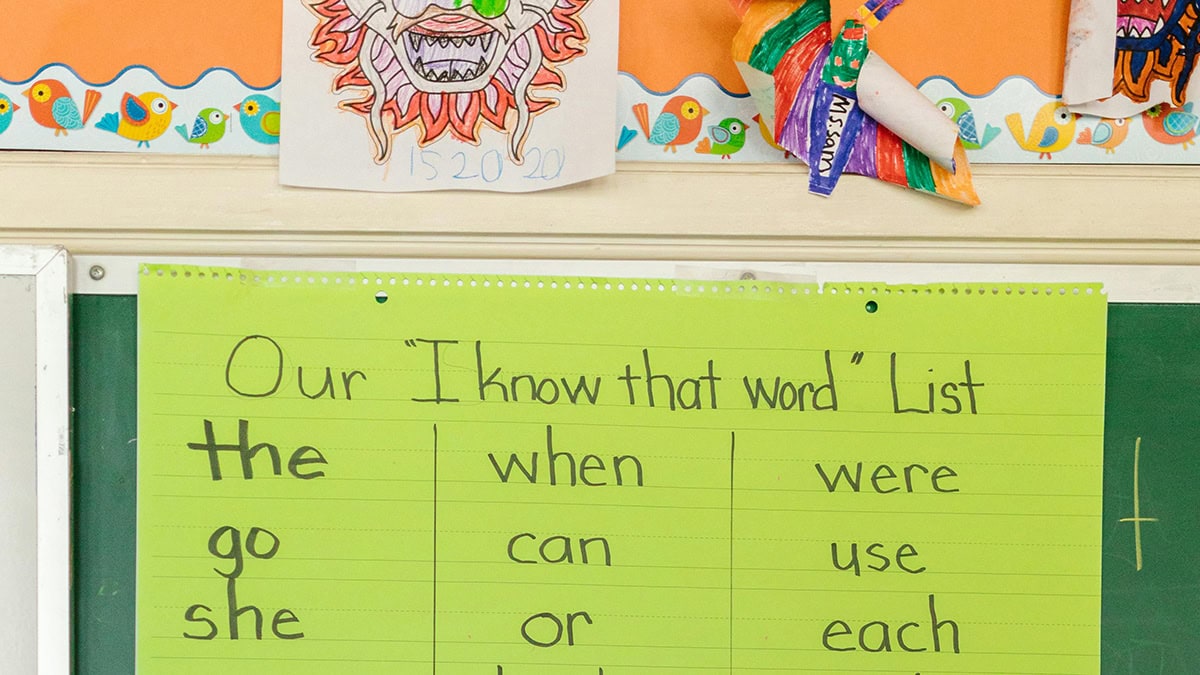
column 840, row 107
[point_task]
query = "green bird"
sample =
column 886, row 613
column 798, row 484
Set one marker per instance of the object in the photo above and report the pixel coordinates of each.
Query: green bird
column 208, row 128
column 726, row 139
column 958, row 110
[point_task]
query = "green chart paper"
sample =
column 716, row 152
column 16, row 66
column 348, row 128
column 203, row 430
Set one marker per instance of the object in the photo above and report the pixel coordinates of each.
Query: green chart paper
column 531, row 476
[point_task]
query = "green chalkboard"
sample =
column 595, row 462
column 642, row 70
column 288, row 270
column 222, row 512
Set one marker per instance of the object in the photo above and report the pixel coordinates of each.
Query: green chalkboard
column 1151, row 616
column 104, row 474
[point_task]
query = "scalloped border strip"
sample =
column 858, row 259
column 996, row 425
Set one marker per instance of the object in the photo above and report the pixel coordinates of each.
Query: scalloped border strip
column 1013, row 95
column 219, row 88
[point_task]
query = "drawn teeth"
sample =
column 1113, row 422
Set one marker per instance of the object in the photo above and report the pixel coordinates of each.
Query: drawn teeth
column 447, row 58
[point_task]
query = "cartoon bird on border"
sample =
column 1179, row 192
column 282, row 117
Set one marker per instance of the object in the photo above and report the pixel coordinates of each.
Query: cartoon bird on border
column 258, row 115
column 768, row 135
column 838, row 106
column 51, row 105
column 679, row 123
column 726, row 139
column 1052, row 130
column 1108, row 134
column 968, row 129
column 7, row 110
column 1170, row 125
column 208, row 128
column 142, row 118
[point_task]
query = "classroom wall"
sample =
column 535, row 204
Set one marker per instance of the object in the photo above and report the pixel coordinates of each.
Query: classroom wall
column 96, row 204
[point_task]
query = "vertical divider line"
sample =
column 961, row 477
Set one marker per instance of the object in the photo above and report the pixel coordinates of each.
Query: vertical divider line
column 732, row 453
column 435, row 534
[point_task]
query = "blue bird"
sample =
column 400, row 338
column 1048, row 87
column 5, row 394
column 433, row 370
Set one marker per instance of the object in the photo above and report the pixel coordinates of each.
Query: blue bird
column 7, row 108
column 259, row 116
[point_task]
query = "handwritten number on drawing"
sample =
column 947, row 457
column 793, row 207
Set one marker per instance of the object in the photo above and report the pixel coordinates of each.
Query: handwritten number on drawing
column 548, row 166
column 461, row 158
column 559, row 163
column 495, row 157
column 541, row 165
column 433, row 171
column 535, row 165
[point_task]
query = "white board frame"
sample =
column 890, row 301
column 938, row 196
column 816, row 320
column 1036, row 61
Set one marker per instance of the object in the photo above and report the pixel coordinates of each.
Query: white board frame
column 49, row 268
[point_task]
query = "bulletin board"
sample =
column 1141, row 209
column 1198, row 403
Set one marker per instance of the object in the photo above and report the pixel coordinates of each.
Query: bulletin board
column 988, row 60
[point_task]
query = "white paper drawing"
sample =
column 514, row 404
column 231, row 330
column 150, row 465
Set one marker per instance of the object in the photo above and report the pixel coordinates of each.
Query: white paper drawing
column 397, row 95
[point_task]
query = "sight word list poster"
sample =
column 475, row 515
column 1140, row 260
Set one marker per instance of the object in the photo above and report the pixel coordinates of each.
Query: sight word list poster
column 482, row 475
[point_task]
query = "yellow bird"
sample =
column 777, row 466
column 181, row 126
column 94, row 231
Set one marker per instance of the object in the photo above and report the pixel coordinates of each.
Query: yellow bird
column 768, row 135
column 1053, row 130
column 142, row 118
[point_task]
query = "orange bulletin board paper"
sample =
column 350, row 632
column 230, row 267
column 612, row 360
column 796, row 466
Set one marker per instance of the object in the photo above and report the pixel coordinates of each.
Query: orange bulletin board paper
column 1003, row 61
column 179, row 41
column 977, row 45
column 662, row 43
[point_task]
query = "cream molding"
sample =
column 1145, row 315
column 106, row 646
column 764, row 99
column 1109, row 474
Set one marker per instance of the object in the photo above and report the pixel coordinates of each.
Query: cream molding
column 158, row 205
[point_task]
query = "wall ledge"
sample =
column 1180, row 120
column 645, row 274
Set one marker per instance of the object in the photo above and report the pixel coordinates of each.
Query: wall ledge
column 159, row 205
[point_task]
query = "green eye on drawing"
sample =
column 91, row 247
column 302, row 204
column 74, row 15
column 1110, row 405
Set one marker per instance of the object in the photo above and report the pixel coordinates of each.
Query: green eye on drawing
column 489, row 9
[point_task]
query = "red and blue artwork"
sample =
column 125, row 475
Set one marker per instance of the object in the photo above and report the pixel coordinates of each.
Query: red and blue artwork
column 1157, row 40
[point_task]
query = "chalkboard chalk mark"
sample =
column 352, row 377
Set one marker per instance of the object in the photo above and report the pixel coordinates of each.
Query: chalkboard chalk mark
column 1137, row 518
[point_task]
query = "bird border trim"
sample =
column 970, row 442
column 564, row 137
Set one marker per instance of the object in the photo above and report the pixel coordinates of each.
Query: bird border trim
column 95, row 123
